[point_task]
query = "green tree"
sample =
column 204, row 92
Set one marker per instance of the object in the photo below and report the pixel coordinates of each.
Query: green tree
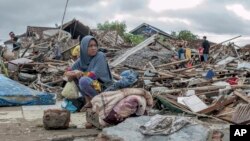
column 133, row 39
column 120, row 27
column 174, row 34
column 186, row 35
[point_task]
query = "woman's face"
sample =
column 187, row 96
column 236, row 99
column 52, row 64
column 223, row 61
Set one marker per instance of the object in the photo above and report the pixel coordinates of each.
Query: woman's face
column 92, row 48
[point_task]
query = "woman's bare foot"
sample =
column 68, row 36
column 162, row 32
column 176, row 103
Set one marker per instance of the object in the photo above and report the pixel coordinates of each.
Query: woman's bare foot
column 85, row 107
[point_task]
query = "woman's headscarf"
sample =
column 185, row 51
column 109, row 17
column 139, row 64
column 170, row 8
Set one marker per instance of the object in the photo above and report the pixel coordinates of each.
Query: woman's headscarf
column 96, row 64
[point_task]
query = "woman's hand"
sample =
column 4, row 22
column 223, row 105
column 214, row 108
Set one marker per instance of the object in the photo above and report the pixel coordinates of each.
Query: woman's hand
column 72, row 74
column 78, row 74
column 70, row 78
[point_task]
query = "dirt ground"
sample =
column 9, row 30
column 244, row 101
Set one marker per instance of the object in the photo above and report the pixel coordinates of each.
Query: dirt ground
column 24, row 123
column 23, row 130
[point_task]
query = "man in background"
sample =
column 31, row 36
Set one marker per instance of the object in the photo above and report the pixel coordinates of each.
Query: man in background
column 181, row 55
column 16, row 45
column 206, row 46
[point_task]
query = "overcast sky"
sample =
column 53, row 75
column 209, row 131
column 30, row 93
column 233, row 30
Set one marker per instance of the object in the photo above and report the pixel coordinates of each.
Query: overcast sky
column 217, row 19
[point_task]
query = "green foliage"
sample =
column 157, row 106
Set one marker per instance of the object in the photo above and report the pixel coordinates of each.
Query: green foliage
column 186, row 35
column 174, row 34
column 120, row 27
column 133, row 39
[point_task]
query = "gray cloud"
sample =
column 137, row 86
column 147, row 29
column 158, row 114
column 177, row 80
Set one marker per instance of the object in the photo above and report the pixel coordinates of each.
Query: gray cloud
column 211, row 16
column 129, row 5
column 16, row 15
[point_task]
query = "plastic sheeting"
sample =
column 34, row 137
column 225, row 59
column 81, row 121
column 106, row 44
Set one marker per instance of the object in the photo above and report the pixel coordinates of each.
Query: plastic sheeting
column 13, row 93
column 244, row 65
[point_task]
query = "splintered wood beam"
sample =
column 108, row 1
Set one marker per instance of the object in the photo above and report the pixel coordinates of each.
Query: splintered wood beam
column 242, row 96
column 212, row 88
column 218, row 105
column 184, row 69
column 172, row 63
column 208, row 93
column 240, row 86
column 133, row 50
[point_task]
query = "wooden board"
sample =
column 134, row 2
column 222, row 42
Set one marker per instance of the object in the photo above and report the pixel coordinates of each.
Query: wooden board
column 133, row 50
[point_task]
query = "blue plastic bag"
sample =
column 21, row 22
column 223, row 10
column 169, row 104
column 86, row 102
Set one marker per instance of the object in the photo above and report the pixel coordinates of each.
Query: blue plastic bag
column 68, row 105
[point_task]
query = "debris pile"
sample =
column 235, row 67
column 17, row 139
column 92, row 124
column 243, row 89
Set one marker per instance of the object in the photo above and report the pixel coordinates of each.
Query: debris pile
column 214, row 89
column 109, row 39
column 218, row 89
column 37, row 66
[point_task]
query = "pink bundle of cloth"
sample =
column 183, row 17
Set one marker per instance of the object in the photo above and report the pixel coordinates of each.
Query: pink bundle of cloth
column 115, row 106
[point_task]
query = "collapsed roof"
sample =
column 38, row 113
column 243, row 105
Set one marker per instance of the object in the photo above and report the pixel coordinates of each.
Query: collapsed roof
column 148, row 30
column 76, row 29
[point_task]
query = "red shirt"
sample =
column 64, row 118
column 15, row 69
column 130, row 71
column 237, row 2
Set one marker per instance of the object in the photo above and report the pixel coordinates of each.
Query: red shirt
column 200, row 50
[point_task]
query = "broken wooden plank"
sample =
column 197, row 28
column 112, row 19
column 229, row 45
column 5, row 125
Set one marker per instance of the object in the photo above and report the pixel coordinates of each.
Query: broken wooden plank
column 166, row 45
column 195, row 88
column 225, row 41
column 134, row 67
column 240, row 86
column 68, row 49
column 218, row 105
column 45, row 63
column 154, row 79
column 133, row 50
column 152, row 66
column 162, row 73
column 172, row 63
column 224, row 114
column 208, row 93
column 184, row 69
column 27, row 48
column 242, row 96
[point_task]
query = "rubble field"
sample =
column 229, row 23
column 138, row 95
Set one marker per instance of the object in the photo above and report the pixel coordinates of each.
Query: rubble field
column 214, row 95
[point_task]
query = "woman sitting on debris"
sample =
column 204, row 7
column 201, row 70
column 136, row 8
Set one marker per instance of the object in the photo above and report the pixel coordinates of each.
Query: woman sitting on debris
column 91, row 70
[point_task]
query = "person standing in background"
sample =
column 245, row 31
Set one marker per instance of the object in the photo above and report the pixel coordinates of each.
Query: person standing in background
column 181, row 55
column 205, row 46
column 188, row 55
column 16, row 45
column 200, row 51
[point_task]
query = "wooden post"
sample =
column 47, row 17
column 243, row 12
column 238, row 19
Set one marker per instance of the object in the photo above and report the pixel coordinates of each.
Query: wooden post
column 242, row 96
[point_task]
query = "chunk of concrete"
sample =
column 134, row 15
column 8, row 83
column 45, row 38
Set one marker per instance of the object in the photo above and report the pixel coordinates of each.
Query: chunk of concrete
column 129, row 131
